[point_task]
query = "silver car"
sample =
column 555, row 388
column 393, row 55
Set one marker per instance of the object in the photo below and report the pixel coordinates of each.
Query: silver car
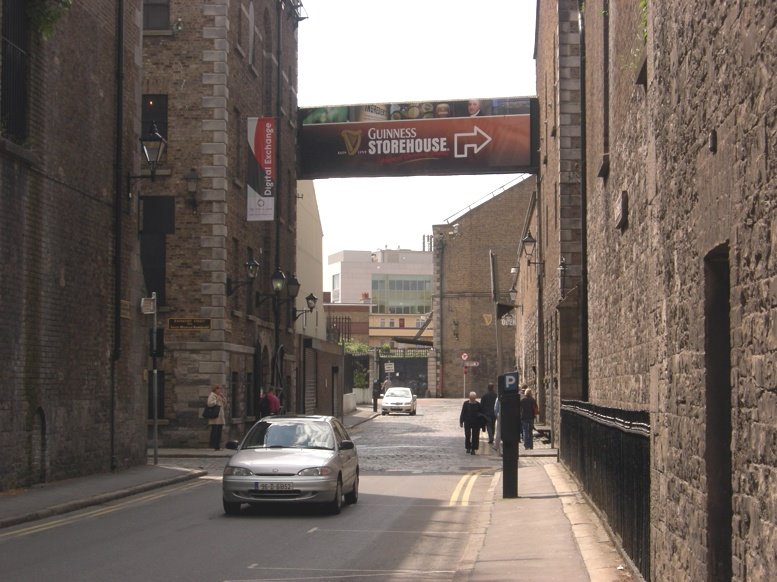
column 398, row 399
column 309, row 459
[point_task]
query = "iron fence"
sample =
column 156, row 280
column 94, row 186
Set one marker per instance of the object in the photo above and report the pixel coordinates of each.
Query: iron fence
column 608, row 450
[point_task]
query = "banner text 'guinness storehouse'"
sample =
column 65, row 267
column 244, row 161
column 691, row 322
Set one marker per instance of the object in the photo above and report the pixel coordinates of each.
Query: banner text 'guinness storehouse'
column 431, row 138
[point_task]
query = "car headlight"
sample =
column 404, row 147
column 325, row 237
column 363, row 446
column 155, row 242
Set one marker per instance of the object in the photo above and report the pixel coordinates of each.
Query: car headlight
column 315, row 472
column 237, row 471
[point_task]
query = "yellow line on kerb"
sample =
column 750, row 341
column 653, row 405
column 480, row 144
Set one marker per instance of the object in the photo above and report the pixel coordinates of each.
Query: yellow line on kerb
column 467, row 482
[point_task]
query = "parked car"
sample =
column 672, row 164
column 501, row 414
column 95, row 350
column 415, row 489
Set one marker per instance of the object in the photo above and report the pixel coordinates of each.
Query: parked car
column 289, row 458
column 398, row 399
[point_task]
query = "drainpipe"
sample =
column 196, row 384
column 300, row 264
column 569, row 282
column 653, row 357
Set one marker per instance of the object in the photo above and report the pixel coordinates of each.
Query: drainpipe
column 278, row 367
column 118, row 182
column 583, row 217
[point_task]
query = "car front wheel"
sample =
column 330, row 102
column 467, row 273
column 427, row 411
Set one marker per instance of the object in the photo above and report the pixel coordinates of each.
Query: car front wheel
column 336, row 505
column 231, row 508
column 353, row 496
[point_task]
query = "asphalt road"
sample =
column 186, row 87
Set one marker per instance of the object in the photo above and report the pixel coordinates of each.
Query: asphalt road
column 416, row 519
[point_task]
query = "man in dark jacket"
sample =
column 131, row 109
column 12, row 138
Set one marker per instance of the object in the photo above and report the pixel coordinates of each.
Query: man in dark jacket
column 487, row 402
column 471, row 420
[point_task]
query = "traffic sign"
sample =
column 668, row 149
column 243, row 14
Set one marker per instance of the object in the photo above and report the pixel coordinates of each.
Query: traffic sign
column 388, row 366
column 471, row 364
column 464, row 356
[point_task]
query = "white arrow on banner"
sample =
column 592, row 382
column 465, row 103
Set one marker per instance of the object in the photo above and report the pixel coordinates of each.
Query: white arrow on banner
column 466, row 145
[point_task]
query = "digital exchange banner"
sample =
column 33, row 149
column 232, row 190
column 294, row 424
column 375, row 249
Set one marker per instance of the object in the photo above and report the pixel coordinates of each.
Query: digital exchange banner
column 261, row 171
column 496, row 136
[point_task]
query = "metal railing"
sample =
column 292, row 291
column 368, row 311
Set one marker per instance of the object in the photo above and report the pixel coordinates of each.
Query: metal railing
column 608, row 451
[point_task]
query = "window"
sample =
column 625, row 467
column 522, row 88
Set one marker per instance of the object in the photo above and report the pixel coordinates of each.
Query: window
column 14, row 100
column 156, row 14
column 154, row 111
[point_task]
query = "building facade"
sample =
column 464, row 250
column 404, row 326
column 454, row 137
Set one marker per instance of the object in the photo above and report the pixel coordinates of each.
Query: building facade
column 657, row 120
column 210, row 68
column 474, row 258
column 72, row 338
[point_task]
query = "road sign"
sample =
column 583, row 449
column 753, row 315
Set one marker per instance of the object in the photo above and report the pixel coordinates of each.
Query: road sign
column 388, row 366
column 464, row 356
column 471, row 364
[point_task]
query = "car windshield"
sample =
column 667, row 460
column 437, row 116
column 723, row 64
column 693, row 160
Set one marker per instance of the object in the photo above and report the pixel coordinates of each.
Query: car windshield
column 290, row 434
column 398, row 393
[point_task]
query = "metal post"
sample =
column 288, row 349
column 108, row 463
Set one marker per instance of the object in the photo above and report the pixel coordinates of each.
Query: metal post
column 154, row 383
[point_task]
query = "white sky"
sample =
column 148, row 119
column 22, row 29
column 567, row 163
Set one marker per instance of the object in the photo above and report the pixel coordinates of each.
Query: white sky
column 370, row 51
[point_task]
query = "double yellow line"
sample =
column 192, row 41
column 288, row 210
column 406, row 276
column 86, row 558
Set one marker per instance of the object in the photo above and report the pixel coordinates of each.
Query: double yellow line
column 100, row 510
column 464, row 488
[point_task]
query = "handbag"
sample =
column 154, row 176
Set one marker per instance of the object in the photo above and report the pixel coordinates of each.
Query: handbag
column 211, row 411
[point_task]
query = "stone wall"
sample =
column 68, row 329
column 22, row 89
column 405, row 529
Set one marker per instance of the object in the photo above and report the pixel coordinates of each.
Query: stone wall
column 218, row 71
column 679, row 115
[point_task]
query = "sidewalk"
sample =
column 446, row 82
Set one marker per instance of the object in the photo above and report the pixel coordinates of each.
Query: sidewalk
column 548, row 533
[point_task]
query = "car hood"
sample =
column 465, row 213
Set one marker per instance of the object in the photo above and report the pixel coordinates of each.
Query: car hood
column 281, row 460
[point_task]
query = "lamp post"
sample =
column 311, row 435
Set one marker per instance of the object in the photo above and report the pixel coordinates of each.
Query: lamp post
column 252, row 270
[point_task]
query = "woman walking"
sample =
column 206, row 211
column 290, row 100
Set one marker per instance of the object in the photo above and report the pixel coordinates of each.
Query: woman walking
column 216, row 398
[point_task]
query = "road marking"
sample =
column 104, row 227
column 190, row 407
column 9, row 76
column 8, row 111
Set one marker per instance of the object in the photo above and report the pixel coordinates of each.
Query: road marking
column 466, row 483
column 100, row 511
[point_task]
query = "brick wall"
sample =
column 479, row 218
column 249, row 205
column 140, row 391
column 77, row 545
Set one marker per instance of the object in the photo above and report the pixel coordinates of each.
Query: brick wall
column 63, row 370
column 463, row 307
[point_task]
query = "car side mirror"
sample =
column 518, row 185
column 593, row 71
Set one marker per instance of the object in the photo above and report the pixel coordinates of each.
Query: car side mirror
column 231, row 445
column 347, row 445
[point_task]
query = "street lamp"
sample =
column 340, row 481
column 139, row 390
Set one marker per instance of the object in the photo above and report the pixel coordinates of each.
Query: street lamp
column 529, row 244
column 252, row 270
column 153, row 146
column 311, row 301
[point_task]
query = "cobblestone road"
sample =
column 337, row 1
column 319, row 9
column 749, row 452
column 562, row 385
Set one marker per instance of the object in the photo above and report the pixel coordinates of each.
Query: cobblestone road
column 430, row 442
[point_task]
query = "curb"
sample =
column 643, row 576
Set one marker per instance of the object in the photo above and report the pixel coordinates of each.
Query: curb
column 71, row 506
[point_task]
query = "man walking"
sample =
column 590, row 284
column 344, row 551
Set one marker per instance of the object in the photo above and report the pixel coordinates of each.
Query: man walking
column 471, row 419
column 487, row 402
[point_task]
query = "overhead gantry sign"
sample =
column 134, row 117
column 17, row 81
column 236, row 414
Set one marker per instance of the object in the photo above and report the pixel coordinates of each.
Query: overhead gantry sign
column 432, row 138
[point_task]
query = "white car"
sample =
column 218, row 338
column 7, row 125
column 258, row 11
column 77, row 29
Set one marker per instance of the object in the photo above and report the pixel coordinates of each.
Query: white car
column 398, row 399
column 293, row 459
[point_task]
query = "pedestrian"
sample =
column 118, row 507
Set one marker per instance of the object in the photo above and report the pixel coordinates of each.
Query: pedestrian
column 529, row 410
column 487, row 402
column 216, row 398
column 375, row 394
column 273, row 402
column 386, row 385
column 470, row 419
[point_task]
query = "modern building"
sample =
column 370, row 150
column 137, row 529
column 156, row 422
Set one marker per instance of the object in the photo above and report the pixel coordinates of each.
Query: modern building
column 473, row 315
column 73, row 342
column 645, row 274
column 398, row 286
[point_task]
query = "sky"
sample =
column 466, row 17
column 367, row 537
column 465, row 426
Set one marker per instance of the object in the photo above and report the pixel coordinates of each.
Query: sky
column 370, row 51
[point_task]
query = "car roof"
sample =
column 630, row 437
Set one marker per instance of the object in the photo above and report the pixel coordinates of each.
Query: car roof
column 400, row 387
column 302, row 417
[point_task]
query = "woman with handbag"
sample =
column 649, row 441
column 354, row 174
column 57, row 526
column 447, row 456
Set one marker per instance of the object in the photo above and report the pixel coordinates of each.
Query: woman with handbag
column 216, row 398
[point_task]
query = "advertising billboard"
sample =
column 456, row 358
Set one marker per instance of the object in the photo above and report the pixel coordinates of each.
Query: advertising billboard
column 477, row 136
column 260, row 171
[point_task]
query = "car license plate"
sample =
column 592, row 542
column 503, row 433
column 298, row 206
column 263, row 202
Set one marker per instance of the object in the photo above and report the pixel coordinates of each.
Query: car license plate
column 273, row 486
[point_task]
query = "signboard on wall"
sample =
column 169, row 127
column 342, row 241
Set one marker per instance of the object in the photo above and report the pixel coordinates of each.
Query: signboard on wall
column 261, row 173
column 478, row 136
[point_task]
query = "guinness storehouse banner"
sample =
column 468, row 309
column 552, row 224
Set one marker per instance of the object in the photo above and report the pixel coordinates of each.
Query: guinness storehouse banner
column 260, row 171
column 478, row 136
